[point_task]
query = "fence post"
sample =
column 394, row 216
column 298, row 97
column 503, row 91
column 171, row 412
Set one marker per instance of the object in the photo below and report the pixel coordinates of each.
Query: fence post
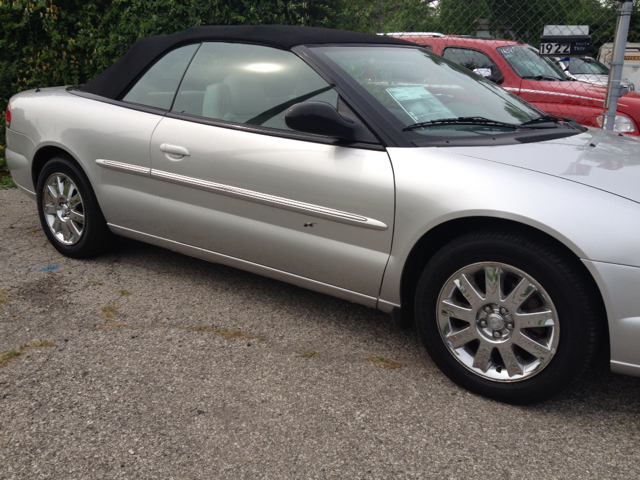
column 614, row 90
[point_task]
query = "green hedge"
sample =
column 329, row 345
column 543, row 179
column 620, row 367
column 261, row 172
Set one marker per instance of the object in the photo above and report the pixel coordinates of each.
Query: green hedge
column 59, row 42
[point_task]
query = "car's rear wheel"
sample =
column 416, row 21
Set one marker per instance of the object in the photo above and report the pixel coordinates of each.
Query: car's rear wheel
column 69, row 211
column 507, row 316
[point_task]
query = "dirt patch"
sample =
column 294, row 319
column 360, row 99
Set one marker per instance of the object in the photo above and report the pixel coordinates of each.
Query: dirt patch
column 309, row 353
column 4, row 298
column 109, row 325
column 383, row 362
column 227, row 333
column 14, row 354
column 109, row 311
column 43, row 292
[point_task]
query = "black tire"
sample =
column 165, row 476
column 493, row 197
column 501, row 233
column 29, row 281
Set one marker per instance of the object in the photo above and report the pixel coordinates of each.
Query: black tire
column 556, row 287
column 74, row 224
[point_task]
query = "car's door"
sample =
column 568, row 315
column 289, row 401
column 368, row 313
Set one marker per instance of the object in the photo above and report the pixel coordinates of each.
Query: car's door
column 234, row 179
column 118, row 134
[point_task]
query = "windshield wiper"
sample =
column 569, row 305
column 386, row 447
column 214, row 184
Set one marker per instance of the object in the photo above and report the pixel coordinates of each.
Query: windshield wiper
column 543, row 121
column 461, row 121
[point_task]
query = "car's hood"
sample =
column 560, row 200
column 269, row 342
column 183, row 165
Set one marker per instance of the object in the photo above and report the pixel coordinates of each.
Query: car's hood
column 597, row 79
column 597, row 158
column 593, row 78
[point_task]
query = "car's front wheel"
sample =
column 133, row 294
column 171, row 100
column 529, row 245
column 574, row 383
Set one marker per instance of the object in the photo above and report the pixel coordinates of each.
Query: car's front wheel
column 69, row 211
column 507, row 315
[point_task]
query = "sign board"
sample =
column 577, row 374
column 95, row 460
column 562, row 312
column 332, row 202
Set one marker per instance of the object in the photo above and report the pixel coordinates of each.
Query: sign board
column 565, row 41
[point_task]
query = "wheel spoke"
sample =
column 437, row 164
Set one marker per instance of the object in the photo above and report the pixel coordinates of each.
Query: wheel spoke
column 534, row 348
column 462, row 337
column 55, row 226
column 492, row 281
column 450, row 309
column 66, row 232
column 50, row 209
column 536, row 319
column 469, row 291
column 520, row 293
column 51, row 190
column 74, row 229
column 510, row 361
column 482, row 358
column 60, row 183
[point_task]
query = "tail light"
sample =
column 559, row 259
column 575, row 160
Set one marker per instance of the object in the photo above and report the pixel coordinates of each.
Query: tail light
column 7, row 118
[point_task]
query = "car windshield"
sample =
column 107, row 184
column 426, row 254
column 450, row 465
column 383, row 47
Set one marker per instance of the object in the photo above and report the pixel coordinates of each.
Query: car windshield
column 527, row 63
column 428, row 93
column 587, row 66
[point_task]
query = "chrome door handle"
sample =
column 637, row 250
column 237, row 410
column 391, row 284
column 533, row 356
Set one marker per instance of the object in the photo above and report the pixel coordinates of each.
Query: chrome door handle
column 175, row 151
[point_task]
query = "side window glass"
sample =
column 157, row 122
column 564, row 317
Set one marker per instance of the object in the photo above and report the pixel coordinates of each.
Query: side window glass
column 470, row 59
column 474, row 60
column 157, row 87
column 248, row 84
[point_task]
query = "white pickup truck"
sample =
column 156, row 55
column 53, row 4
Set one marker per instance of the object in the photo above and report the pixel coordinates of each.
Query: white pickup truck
column 631, row 68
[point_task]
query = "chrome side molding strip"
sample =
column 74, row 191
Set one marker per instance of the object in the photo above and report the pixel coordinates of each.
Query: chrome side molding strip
column 124, row 167
column 249, row 195
column 271, row 200
column 252, row 267
column 544, row 92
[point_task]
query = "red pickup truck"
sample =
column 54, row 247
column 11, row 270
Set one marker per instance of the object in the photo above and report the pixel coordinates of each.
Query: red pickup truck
column 517, row 67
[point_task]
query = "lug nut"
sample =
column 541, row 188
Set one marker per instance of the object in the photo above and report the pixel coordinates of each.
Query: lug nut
column 487, row 309
column 483, row 323
column 510, row 326
column 497, row 334
column 503, row 311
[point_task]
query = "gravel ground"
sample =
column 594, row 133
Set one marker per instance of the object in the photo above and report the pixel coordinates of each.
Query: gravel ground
column 162, row 366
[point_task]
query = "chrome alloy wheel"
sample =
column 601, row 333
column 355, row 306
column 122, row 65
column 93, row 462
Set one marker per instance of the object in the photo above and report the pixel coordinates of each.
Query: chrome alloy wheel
column 498, row 322
column 63, row 209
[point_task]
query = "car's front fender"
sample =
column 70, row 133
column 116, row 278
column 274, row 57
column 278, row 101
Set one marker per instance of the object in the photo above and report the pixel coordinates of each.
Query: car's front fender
column 435, row 186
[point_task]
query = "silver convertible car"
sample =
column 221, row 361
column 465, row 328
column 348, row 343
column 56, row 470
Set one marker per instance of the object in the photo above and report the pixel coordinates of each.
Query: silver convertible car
column 363, row 167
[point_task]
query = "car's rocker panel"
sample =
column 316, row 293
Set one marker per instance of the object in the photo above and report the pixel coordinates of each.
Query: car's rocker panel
column 263, row 270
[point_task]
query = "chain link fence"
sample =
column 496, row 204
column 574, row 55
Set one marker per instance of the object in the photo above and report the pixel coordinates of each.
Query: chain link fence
column 501, row 40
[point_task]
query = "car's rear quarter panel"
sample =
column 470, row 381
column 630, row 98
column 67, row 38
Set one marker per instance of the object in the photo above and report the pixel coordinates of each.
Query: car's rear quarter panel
column 88, row 130
column 19, row 152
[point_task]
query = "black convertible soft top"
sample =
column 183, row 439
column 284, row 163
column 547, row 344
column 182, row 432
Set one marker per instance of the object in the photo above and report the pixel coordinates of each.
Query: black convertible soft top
column 113, row 81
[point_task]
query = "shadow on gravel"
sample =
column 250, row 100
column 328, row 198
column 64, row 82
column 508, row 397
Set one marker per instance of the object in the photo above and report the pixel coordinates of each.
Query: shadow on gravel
column 339, row 313
column 598, row 390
